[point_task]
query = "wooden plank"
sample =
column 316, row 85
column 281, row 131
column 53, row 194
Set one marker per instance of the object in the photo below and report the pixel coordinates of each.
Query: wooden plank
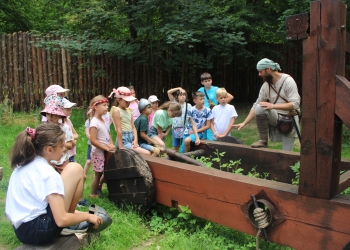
column 342, row 102
column 29, row 72
column 323, row 59
column 4, row 62
column 344, row 181
column 35, row 73
column 63, row 242
column 220, row 197
column 26, row 99
column 347, row 48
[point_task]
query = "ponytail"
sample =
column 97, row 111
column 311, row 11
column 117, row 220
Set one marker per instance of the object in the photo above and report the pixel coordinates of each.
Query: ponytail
column 31, row 142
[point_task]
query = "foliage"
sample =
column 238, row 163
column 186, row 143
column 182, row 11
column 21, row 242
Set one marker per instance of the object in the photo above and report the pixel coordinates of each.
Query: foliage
column 296, row 170
column 346, row 135
column 6, row 112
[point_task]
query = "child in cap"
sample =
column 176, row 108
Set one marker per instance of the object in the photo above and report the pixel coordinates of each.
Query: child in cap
column 68, row 112
column 141, row 125
column 154, row 101
column 123, row 120
column 54, row 90
column 54, row 114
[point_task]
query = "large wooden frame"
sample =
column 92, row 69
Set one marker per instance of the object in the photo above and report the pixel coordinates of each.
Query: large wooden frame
column 315, row 215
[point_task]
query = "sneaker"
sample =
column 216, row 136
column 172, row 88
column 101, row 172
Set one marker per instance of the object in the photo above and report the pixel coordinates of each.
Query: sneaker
column 81, row 227
column 259, row 144
column 83, row 203
column 99, row 192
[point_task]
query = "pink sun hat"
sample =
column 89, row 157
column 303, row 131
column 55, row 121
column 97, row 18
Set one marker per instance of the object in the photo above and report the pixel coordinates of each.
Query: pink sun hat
column 124, row 93
column 54, row 89
column 153, row 98
column 54, row 106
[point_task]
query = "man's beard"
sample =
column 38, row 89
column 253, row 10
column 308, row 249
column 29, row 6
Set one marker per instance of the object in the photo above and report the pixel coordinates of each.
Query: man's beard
column 268, row 79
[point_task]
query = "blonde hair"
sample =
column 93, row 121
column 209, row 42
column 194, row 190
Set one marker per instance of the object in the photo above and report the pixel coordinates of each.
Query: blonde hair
column 221, row 92
column 174, row 107
column 96, row 99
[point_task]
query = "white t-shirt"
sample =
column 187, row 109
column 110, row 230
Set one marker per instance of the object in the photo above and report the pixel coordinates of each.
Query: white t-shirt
column 102, row 134
column 222, row 117
column 28, row 190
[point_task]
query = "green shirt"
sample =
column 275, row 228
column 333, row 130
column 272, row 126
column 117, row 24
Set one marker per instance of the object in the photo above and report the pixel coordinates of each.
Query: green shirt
column 162, row 119
column 141, row 124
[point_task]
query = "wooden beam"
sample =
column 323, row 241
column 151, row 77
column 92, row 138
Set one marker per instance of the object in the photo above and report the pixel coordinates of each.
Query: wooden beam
column 220, row 197
column 324, row 57
column 347, row 48
column 344, row 181
column 342, row 102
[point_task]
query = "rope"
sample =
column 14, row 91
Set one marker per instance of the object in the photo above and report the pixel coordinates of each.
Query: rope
column 261, row 218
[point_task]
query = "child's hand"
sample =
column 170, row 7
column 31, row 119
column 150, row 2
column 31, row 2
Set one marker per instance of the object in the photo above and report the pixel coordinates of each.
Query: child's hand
column 111, row 147
column 94, row 219
column 197, row 142
column 135, row 144
column 190, row 132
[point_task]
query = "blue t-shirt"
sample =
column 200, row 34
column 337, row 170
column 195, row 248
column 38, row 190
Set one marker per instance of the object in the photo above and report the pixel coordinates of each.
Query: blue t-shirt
column 200, row 117
column 211, row 93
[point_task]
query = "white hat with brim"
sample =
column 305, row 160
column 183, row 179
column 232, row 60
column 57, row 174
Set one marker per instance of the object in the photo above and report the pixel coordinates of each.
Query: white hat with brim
column 153, row 98
column 67, row 104
column 54, row 89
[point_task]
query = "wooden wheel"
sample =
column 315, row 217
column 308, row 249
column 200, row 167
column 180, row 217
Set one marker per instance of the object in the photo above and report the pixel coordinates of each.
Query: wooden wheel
column 129, row 179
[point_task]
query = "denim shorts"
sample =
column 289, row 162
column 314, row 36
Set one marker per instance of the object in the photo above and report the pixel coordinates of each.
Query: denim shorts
column 40, row 230
column 146, row 146
column 176, row 141
column 193, row 139
column 152, row 132
column 88, row 154
column 127, row 139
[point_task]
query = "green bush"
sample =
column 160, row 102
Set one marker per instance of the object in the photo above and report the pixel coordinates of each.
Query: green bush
column 346, row 135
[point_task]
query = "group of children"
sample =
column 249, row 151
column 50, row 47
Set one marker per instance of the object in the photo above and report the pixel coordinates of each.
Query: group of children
column 44, row 204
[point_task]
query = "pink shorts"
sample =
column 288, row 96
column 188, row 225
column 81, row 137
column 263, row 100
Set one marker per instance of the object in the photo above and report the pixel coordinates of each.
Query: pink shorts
column 98, row 162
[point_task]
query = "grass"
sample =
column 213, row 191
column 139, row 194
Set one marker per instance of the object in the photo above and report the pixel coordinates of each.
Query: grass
column 128, row 230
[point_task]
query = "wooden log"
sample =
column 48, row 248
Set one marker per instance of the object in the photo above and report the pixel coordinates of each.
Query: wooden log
column 10, row 67
column 320, row 146
column 15, row 89
column 21, row 86
column 4, row 65
column 75, row 85
column 37, row 101
column 81, row 69
column 221, row 197
column 64, row 68
column 30, row 71
column 54, row 72
column 59, row 66
column 342, row 100
column 49, row 62
column 69, row 74
column 44, row 64
column 25, row 81
column 41, row 85
column 63, row 242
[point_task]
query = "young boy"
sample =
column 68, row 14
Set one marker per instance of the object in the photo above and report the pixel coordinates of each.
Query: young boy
column 224, row 115
column 210, row 97
column 141, row 125
column 201, row 118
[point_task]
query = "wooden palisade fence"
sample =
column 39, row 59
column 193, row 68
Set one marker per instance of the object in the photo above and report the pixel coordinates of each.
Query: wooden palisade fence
column 27, row 70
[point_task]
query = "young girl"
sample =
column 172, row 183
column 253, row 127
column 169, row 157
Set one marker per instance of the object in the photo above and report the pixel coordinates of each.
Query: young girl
column 123, row 120
column 179, row 95
column 68, row 112
column 155, row 101
column 54, row 114
column 100, row 139
column 162, row 121
column 134, row 105
column 40, row 201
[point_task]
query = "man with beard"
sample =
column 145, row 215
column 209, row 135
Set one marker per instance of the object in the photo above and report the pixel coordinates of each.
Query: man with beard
column 269, row 104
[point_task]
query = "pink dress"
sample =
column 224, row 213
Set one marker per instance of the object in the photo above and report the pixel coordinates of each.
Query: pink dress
column 135, row 107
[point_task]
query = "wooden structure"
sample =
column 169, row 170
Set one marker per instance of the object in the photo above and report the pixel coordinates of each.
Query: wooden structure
column 312, row 215
column 63, row 242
